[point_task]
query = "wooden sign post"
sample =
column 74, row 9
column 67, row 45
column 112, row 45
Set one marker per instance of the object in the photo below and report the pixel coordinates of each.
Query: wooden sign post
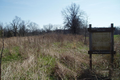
column 101, row 41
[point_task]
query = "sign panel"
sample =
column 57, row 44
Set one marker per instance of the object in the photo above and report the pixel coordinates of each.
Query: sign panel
column 101, row 40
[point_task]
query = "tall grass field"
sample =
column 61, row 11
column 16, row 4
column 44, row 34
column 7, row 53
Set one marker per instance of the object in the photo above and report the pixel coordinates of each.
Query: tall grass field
column 55, row 57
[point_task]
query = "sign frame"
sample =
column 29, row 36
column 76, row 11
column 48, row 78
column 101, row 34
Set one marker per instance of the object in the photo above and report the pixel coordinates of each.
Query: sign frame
column 101, row 30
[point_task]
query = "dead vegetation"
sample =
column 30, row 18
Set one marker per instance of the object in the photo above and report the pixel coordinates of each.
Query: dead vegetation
column 52, row 57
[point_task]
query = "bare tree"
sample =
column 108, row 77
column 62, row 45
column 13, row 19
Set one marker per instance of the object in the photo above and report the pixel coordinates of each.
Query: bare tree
column 48, row 27
column 15, row 24
column 73, row 18
column 23, row 28
column 85, row 29
column 8, row 31
column 1, row 25
column 32, row 27
column 1, row 28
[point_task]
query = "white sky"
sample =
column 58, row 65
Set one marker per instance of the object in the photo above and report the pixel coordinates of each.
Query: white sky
column 100, row 13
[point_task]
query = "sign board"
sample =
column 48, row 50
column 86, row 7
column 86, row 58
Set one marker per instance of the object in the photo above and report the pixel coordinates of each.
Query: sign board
column 101, row 41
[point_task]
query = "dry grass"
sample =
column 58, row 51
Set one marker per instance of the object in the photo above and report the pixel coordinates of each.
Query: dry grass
column 51, row 57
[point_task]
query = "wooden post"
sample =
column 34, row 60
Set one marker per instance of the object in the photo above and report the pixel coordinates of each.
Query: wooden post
column 112, row 46
column 90, row 46
column 90, row 41
column 112, row 51
column 91, row 61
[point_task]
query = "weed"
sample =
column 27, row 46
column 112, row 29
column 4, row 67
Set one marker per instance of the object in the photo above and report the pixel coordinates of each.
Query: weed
column 53, row 57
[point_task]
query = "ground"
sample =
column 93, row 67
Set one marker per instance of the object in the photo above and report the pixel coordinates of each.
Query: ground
column 55, row 57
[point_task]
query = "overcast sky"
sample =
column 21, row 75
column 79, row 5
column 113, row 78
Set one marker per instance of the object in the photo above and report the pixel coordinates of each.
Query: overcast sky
column 100, row 12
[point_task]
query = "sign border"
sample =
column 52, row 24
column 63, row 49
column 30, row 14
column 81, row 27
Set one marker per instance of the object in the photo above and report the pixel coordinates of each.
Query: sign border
column 111, row 29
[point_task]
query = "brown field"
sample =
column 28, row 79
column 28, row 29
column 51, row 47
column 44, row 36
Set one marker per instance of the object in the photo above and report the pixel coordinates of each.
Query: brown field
column 55, row 57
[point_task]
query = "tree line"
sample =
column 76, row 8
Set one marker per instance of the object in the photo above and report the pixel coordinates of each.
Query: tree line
column 75, row 22
column 19, row 27
column 117, row 31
